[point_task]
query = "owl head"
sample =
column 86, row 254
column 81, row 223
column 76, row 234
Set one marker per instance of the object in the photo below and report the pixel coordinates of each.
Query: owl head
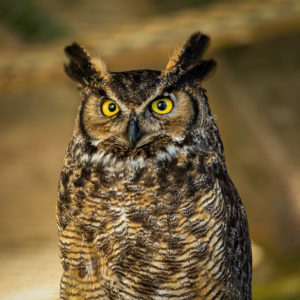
column 144, row 113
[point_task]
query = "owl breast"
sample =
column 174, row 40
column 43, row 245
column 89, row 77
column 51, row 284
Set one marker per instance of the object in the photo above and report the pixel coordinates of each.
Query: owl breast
column 146, row 241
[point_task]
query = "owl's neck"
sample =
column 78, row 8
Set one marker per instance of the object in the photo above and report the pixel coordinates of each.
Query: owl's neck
column 179, row 155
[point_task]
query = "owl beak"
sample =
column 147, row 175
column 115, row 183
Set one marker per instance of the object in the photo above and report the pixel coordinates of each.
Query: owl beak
column 132, row 132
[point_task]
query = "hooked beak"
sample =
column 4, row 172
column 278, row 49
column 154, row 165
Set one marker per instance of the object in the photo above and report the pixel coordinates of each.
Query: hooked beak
column 133, row 131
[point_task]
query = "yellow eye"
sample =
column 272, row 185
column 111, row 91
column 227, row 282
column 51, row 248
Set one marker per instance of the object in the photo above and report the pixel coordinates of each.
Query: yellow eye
column 162, row 106
column 109, row 108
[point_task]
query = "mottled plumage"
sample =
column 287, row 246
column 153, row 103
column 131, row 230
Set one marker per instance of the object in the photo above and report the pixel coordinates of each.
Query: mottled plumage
column 146, row 208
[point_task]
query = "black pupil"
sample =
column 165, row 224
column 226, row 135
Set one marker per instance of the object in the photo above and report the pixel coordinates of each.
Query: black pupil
column 161, row 105
column 112, row 107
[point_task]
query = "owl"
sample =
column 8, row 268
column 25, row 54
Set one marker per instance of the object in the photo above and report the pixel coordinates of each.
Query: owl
column 146, row 209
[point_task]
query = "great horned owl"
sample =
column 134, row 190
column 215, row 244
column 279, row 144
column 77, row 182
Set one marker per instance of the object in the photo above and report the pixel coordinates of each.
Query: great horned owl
column 146, row 208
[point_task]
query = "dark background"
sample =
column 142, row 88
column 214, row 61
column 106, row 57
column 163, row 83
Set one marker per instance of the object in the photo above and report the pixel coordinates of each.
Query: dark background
column 254, row 94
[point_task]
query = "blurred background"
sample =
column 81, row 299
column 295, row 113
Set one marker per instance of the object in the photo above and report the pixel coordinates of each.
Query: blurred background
column 254, row 94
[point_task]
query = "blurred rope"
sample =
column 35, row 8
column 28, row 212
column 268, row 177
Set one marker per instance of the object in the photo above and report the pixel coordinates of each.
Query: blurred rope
column 176, row 5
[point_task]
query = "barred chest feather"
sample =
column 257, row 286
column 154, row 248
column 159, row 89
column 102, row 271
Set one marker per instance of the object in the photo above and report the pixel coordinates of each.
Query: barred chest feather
column 144, row 232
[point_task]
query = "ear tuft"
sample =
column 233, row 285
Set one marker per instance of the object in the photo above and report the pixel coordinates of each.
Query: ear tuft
column 99, row 66
column 199, row 72
column 82, row 68
column 190, row 54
